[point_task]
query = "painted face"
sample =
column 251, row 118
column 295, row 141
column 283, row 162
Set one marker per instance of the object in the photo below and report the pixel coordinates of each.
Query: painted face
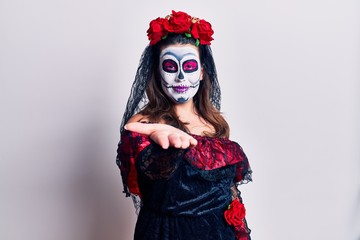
column 180, row 72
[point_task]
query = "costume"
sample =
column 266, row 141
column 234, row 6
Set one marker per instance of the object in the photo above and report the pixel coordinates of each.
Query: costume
column 182, row 193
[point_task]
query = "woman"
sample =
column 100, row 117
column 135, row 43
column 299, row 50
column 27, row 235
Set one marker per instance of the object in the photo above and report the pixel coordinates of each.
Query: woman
column 175, row 157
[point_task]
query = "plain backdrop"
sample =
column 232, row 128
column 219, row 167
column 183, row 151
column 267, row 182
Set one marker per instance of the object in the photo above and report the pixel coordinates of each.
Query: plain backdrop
column 289, row 72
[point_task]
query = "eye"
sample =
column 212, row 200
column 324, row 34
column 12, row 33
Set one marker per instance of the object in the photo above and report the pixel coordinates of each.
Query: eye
column 170, row 66
column 190, row 66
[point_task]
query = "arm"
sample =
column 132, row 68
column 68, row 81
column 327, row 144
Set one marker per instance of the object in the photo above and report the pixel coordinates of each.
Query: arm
column 234, row 192
column 164, row 135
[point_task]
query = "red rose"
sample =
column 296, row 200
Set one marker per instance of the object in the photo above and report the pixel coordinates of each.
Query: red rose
column 178, row 22
column 156, row 30
column 202, row 30
column 235, row 214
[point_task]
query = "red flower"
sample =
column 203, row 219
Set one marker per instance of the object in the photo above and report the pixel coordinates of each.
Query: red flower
column 235, row 214
column 156, row 30
column 178, row 22
column 202, row 30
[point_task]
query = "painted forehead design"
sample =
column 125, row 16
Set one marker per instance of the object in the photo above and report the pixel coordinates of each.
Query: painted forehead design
column 179, row 52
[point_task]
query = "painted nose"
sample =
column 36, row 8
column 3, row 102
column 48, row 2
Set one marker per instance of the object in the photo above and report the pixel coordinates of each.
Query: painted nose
column 180, row 77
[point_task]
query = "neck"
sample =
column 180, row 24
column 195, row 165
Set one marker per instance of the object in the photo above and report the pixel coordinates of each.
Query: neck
column 185, row 109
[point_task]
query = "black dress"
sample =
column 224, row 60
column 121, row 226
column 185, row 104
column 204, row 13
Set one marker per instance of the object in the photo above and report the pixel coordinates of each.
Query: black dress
column 184, row 193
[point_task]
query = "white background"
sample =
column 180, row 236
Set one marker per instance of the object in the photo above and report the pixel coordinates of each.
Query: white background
column 289, row 72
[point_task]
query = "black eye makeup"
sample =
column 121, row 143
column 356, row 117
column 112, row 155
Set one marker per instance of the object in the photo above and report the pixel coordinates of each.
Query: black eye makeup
column 190, row 66
column 170, row 66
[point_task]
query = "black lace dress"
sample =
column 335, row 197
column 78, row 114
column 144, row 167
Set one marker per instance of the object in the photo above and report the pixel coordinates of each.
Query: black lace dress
column 183, row 194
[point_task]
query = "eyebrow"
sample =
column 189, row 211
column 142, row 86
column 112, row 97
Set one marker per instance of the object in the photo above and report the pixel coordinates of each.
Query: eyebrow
column 176, row 56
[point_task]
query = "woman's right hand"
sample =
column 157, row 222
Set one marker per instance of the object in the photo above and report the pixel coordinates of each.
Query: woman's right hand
column 164, row 135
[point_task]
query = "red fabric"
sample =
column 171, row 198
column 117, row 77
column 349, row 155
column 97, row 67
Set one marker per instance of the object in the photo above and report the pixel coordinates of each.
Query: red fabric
column 210, row 153
column 131, row 145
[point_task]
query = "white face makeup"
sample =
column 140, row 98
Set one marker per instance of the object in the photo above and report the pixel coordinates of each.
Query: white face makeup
column 180, row 72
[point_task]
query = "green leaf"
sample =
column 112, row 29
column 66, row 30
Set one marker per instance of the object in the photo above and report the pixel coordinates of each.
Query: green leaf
column 197, row 42
column 163, row 37
column 188, row 35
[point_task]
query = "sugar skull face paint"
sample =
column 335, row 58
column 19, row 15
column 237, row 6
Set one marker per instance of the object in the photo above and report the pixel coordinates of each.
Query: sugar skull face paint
column 180, row 72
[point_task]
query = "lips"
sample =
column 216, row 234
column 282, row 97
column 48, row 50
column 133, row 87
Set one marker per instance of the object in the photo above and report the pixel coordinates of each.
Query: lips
column 180, row 89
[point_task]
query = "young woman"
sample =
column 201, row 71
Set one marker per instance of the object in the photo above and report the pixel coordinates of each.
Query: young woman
column 175, row 157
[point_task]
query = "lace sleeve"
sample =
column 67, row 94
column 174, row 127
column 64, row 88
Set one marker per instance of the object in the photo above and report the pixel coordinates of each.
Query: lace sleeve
column 130, row 145
column 243, row 175
column 242, row 231
column 243, row 170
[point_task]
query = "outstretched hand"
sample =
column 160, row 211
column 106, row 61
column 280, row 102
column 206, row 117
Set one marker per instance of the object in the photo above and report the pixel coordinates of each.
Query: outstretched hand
column 164, row 135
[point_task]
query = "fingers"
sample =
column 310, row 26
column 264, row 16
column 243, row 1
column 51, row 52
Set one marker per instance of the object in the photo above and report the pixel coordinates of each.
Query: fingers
column 182, row 141
column 175, row 140
column 193, row 142
column 161, row 138
column 185, row 142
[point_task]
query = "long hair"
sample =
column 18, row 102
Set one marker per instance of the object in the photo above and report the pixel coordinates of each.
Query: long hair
column 156, row 104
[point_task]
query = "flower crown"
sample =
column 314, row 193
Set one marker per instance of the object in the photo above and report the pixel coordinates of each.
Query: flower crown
column 180, row 23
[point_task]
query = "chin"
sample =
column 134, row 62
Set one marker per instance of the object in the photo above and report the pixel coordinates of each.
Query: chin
column 182, row 100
